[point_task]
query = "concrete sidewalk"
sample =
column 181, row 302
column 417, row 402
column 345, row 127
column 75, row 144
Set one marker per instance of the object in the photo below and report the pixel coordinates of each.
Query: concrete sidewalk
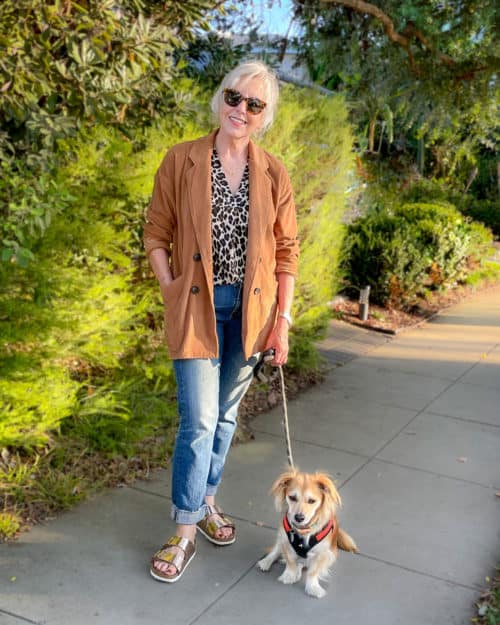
column 410, row 429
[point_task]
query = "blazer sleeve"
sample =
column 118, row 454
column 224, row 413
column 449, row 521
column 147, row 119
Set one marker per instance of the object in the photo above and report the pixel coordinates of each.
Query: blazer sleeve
column 160, row 216
column 285, row 227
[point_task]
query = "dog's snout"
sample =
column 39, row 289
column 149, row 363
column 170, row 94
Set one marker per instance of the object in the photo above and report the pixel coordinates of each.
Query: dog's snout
column 299, row 517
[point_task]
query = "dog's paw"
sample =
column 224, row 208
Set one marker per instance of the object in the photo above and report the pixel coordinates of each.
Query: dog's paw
column 290, row 576
column 264, row 564
column 314, row 590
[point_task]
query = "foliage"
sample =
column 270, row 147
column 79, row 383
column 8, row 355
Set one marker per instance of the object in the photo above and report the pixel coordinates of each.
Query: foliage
column 437, row 92
column 487, row 212
column 401, row 252
column 86, row 382
column 389, row 187
column 66, row 66
column 209, row 57
column 488, row 605
column 310, row 328
column 313, row 136
column 9, row 524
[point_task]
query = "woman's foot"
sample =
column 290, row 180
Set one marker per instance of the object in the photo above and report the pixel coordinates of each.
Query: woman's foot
column 170, row 561
column 216, row 526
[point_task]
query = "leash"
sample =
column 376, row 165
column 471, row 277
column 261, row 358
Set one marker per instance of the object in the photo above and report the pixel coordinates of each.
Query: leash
column 267, row 356
column 285, row 421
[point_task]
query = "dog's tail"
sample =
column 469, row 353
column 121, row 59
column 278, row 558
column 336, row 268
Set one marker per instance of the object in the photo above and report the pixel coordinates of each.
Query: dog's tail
column 345, row 542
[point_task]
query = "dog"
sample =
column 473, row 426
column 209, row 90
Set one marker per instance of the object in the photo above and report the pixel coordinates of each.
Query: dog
column 309, row 535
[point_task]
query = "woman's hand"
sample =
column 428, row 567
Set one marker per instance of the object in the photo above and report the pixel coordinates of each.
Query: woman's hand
column 278, row 340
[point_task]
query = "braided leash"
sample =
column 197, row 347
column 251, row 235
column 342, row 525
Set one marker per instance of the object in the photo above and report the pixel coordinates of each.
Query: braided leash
column 267, row 357
column 285, row 421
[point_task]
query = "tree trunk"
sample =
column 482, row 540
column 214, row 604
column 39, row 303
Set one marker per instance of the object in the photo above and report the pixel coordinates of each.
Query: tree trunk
column 371, row 135
column 421, row 156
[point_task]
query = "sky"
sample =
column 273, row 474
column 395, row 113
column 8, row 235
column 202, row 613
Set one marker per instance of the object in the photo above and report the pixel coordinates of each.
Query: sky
column 275, row 20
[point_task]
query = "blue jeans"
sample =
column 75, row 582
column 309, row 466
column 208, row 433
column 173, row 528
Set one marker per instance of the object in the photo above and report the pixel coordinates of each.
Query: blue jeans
column 209, row 392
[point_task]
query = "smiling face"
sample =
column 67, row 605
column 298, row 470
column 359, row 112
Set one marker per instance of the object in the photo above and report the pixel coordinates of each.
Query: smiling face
column 236, row 122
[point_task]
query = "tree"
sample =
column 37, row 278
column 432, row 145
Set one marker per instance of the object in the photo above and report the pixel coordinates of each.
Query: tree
column 429, row 65
column 67, row 65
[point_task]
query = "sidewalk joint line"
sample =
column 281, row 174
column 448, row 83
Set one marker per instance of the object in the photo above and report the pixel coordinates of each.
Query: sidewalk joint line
column 21, row 618
column 423, row 410
column 223, row 594
column 319, row 445
column 148, row 492
column 436, row 474
column 417, row 572
column 463, row 419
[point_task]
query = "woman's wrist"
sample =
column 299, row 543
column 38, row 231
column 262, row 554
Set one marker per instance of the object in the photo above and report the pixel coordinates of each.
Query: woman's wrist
column 286, row 317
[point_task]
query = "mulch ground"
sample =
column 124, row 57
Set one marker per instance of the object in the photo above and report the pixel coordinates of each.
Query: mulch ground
column 393, row 320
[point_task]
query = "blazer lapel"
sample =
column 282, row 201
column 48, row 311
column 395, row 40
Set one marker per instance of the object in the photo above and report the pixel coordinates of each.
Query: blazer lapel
column 199, row 183
column 261, row 202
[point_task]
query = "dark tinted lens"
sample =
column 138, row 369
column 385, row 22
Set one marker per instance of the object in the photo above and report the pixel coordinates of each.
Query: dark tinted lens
column 232, row 97
column 255, row 106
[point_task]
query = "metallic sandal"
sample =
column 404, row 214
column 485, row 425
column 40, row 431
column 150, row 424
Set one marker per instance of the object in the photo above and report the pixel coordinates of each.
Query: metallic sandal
column 213, row 521
column 179, row 557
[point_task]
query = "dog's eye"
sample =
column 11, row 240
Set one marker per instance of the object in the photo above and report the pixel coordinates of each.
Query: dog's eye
column 311, row 500
column 292, row 498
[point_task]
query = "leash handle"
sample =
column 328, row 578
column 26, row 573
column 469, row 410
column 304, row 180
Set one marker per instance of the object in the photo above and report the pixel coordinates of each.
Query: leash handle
column 265, row 357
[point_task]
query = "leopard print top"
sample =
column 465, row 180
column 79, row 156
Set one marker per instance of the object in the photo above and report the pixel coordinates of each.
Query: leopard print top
column 229, row 226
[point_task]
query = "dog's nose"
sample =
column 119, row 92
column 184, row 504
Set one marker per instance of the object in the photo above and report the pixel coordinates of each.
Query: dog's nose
column 299, row 517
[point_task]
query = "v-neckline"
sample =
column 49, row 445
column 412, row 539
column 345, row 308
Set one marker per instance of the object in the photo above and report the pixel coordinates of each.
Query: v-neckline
column 226, row 181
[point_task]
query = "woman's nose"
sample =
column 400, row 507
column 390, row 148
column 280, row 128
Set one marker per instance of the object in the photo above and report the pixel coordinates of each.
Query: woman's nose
column 242, row 106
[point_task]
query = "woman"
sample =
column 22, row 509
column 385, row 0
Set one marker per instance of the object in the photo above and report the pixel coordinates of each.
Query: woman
column 221, row 237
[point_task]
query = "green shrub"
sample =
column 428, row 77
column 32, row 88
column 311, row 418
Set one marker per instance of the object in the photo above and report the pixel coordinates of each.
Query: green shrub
column 313, row 136
column 85, row 377
column 485, row 211
column 404, row 252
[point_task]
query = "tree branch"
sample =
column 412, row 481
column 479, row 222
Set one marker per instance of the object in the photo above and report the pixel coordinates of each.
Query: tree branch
column 403, row 39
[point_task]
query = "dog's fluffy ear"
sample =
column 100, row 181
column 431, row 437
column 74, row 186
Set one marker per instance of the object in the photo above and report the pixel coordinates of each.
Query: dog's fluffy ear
column 280, row 486
column 326, row 485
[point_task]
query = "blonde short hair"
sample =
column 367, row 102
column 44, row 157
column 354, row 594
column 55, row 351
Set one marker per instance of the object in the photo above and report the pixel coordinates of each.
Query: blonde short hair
column 250, row 70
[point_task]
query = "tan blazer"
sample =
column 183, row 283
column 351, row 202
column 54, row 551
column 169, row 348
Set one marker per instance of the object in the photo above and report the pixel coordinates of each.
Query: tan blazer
column 179, row 220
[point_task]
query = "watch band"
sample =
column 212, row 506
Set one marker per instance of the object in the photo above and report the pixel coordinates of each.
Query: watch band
column 286, row 316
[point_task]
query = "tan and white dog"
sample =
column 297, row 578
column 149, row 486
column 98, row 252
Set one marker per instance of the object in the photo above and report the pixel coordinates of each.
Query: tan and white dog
column 309, row 535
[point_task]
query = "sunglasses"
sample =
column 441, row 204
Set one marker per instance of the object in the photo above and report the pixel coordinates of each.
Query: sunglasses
column 233, row 98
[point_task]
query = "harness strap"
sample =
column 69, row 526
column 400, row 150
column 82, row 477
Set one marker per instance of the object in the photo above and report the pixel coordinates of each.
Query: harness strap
column 297, row 541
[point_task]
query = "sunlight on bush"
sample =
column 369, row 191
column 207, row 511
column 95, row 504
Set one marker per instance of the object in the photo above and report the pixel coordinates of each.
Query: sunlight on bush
column 10, row 524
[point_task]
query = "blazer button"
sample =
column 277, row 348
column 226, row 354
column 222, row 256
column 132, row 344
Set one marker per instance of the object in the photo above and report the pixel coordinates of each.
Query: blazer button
column 197, row 256
column 195, row 290
column 256, row 291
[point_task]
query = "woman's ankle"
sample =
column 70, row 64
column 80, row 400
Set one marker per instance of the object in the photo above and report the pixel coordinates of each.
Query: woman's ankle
column 186, row 531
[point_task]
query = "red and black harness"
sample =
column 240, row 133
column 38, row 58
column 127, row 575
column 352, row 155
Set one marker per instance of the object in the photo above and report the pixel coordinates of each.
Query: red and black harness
column 297, row 541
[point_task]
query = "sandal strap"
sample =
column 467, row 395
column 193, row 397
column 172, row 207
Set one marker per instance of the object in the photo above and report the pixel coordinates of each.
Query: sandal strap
column 216, row 511
column 177, row 557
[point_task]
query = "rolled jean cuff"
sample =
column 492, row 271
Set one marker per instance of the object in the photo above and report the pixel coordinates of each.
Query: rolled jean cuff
column 211, row 490
column 186, row 517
